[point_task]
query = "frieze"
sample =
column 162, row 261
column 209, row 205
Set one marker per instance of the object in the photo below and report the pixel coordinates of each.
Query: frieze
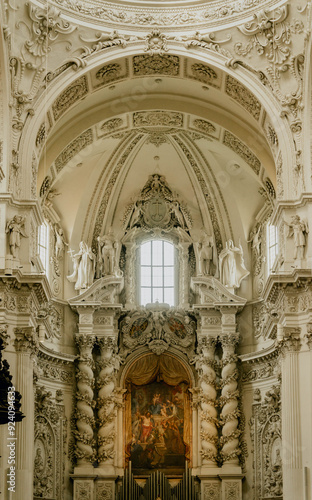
column 217, row 13
column 156, row 64
column 244, row 97
column 77, row 145
column 232, row 142
column 70, row 96
column 261, row 372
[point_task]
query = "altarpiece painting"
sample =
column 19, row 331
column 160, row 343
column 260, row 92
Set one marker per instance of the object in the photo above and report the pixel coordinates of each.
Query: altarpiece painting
column 158, row 415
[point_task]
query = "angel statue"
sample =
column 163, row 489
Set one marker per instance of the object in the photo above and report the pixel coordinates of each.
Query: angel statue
column 232, row 266
column 16, row 228
column 60, row 242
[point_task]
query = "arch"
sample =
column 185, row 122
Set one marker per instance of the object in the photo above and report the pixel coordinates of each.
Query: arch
column 241, row 75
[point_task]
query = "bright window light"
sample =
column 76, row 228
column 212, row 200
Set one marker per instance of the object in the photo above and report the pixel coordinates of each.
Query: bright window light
column 272, row 244
column 43, row 245
column 157, row 274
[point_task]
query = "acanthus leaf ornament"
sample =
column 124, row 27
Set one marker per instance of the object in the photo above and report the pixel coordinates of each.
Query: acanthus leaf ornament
column 270, row 36
column 207, row 41
column 46, row 27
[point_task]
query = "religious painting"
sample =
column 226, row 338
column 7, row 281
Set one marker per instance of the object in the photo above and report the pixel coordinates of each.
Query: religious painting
column 159, row 427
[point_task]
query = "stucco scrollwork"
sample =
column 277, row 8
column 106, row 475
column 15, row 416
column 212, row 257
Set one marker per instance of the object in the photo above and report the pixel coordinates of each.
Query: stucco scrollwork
column 266, row 437
column 45, row 28
column 50, row 437
column 158, row 330
column 157, row 207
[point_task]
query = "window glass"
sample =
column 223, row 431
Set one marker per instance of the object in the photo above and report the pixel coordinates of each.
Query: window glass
column 157, row 272
column 43, row 245
column 272, row 244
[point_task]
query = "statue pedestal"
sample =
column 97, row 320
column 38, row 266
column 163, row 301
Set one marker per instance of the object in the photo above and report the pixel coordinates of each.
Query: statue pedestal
column 224, row 483
column 87, row 487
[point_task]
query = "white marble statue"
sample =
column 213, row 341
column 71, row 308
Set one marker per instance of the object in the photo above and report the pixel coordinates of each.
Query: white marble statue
column 16, row 228
column 232, row 266
column 60, row 242
column 298, row 230
column 205, row 256
column 84, row 267
column 255, row 239
column 107, row 258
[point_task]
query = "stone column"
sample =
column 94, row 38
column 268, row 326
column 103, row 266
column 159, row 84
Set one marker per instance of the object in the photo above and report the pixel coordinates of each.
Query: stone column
column 85, row 422
column 106, row 403
column 229, row 401
column 26, row 346
column 205, row 364
column 291, row 426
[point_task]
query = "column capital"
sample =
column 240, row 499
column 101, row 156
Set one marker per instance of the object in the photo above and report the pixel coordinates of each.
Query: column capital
column 85, row 342
column 26, row 340
column 229, row 340
column 290, row 341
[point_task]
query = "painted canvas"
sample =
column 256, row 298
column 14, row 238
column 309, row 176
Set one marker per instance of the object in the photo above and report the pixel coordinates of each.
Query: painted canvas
column 158, row 426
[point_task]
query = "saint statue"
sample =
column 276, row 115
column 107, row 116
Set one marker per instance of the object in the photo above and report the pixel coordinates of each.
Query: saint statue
column 232, row 267
column 107, row 257
column 205, row 256
column 16, row 228
column 84, row 267
column 298, row 229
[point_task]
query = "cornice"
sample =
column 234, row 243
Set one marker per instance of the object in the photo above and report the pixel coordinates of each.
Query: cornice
column 304, row 199
column 260, row 356
column 49, row 354
column 278, row 281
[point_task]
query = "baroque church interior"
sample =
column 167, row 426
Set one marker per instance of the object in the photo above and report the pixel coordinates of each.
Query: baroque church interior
column 155, row 252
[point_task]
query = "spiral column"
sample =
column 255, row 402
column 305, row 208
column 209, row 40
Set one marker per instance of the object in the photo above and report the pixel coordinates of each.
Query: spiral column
column 85, row 422
column 106, row 402
column 229, row 401
column 205, row 364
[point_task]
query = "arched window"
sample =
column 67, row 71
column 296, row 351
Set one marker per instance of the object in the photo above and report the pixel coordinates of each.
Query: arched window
column 43, row 245
column 157, row 272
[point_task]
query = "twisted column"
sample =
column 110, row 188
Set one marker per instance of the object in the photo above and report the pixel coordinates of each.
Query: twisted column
column 84, row 450
column 106, row 401
column 205, row 364
column 229, row 400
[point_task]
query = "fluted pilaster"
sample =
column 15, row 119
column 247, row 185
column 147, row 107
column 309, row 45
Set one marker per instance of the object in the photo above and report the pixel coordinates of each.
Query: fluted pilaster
column 291, row 424
column 26, row 346
column 85, row 444
column 205, row 364
column 106, row 401
column 229, row 400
